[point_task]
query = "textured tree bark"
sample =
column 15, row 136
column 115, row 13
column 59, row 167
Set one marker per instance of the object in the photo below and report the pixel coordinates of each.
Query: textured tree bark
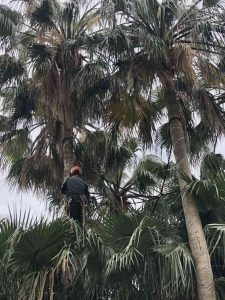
column 68, row 160
column 197, row 241
column 68, row 153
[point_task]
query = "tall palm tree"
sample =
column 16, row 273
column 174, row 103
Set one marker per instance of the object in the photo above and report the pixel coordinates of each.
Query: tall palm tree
column 48, row 49
column 164, row 40
column 161, row 42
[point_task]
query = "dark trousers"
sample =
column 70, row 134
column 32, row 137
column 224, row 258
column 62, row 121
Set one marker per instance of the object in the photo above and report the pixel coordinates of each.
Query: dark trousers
column 76, row 211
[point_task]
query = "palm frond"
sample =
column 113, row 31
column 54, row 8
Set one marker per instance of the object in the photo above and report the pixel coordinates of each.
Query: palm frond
column 9, row 19
column 37, row 247
column 211, row 113
column 45, row 13
column 11, row 69
column 210, row 73
column 177, row 263
column 211, row 165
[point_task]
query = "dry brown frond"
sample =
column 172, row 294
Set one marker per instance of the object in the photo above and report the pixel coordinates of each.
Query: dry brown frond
column 182, row 61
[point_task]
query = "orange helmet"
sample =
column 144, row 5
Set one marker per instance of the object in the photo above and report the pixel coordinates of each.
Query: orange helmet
column 75, row 169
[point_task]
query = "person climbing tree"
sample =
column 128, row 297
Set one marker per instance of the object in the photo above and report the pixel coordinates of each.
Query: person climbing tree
column 76, row 190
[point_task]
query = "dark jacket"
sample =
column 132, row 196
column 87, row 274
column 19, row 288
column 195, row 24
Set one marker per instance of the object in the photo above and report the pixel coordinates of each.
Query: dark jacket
column 74, row 186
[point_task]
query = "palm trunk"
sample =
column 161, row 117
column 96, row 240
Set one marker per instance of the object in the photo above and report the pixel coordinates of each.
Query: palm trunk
column 68, row 154
column 197, row 241
column 68, row 160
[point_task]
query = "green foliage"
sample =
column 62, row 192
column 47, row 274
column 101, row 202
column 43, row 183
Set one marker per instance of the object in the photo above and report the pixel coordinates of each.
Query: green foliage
column 65, row 66
column 10, row 69
column 9, row 19
column 52, row 255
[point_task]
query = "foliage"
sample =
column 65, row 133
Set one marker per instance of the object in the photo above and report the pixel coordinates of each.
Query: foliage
column 97, row 76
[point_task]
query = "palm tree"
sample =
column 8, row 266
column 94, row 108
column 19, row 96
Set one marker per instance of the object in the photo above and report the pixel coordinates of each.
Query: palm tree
column 36, row 254
column 48, row 57
column 126, row 255
column 164, row 42
column 165, row 39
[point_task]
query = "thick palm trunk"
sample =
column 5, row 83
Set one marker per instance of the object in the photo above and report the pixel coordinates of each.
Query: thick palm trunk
column 68, row 154
column 68, row 160
column 197, row 241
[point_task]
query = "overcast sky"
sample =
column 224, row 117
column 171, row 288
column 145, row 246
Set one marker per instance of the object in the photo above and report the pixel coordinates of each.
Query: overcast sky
column 22, row 201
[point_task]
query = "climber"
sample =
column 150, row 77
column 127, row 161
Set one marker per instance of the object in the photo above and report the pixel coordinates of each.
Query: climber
column 76, row 190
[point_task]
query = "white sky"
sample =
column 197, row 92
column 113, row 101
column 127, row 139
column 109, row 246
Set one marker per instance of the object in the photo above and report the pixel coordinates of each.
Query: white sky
column 12, row 198
column 23, row 201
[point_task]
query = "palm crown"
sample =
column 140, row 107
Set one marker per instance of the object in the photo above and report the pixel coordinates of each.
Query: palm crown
column 150, row 58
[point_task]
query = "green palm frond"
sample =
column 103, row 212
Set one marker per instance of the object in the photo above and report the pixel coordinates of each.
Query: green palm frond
column 28, row 173
column 211, row 2
column 153, row 164
column 25, row 101
column 211, row 112
column 211, row 165
column 149, row 172
column 11, row 69
column 42, row 56
column 9, row 226
column 163, row 138
column 216, row 236
column 42, row 256
column 89, row 78
column 208, row 192
column 200, row 136
column 45, row 14
column 219, row 282
column 19, row 104
column 96, row 256
column 16, row 146
column 115, row 231
column 37, row 247
column 135, row 248
column 117, row 40
column 139, row 246
column 33, row 164
column 9, row 19
column 177, row 264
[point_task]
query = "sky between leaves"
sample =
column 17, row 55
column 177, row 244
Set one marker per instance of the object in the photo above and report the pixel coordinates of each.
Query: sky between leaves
column 11, row 198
